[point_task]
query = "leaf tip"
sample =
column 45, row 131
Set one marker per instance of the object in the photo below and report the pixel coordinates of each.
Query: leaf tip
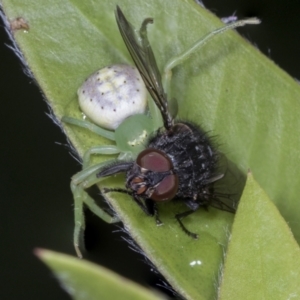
column 38, row 252
column 41, row 253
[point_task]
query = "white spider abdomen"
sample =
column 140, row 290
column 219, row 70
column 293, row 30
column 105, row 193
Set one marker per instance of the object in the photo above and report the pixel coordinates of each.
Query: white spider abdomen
column 112, row 94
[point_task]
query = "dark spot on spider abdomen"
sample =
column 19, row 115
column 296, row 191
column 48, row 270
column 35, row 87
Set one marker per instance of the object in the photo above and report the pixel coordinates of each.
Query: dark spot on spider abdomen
column 192, row 154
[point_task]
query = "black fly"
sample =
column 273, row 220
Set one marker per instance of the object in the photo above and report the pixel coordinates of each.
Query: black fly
column 179, row 162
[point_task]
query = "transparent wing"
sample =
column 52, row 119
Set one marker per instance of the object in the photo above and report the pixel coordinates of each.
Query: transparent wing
column 224, row 202
column 227, row 190
column 141, row 52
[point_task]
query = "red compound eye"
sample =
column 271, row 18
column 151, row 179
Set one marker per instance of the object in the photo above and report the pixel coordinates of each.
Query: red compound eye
column 154, row 160
column 167, row 189
column 157, row 161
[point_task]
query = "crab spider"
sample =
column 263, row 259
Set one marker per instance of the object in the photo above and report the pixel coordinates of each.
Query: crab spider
column 132, row 133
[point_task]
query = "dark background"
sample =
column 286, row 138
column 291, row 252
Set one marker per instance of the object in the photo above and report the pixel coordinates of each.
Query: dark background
column 36, row 202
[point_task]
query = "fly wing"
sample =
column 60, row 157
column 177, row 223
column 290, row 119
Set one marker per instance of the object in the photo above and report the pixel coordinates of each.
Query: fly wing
column 141, row 52
column 228, row 189
column 224, row 204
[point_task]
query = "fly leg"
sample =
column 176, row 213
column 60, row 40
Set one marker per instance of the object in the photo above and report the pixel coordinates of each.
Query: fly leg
column 193, row 205
column 151, row 205
column 144, row 206
column 183, row 215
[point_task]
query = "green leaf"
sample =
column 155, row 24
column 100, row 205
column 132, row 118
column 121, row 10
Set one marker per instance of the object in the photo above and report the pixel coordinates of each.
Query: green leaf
column 84, row 280
column 263, row 258
column 229, row 88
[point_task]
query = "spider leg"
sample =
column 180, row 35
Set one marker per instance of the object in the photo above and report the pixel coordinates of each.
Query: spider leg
column 118, row 190
column 87, row 177
column 79, row 220
column 81, row 197
column 106, row 150
column 81, row 181
column 180, row 58
column 90, row 126
column 103, row 150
